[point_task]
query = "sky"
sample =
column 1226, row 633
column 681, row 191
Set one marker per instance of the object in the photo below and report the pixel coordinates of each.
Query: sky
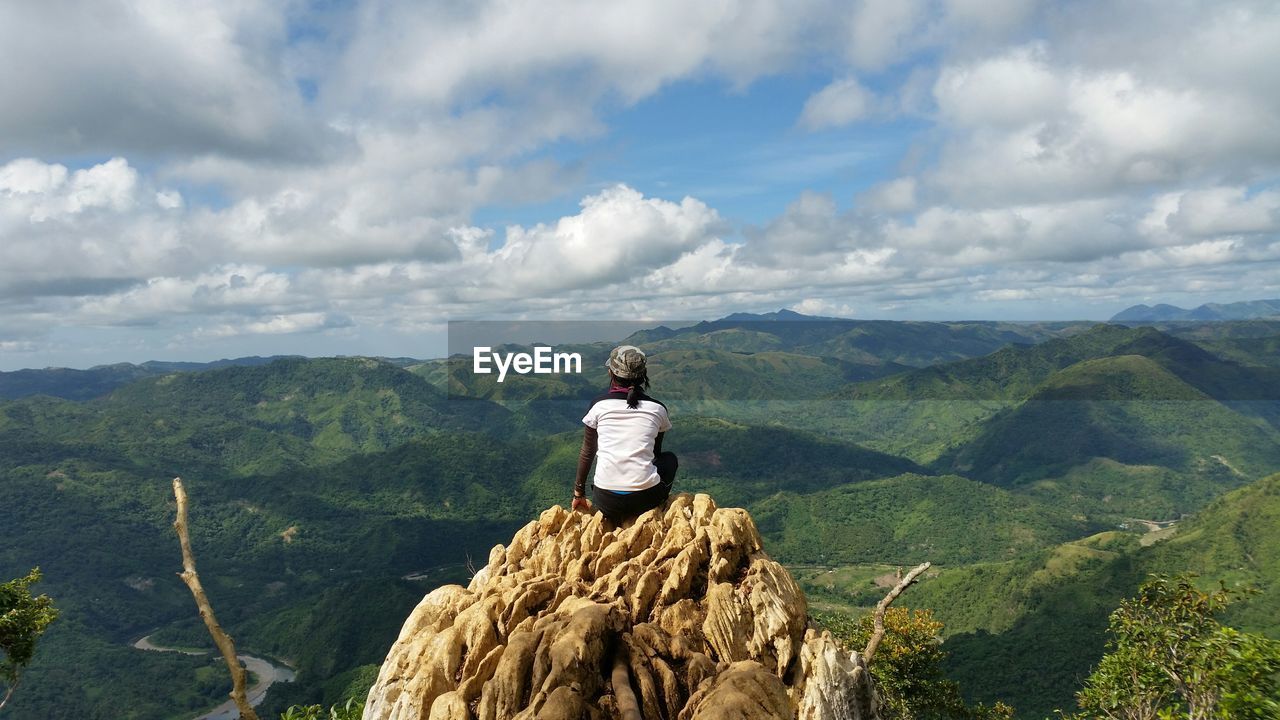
column 192, row 180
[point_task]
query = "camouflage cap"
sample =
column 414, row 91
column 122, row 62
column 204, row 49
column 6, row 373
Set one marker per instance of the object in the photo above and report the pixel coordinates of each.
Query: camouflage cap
column 626, row 362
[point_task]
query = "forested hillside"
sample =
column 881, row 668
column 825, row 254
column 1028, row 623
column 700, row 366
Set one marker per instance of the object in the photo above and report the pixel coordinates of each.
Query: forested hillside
column 329, row 494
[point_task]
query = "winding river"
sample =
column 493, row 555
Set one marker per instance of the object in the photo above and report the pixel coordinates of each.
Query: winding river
column 266, row 673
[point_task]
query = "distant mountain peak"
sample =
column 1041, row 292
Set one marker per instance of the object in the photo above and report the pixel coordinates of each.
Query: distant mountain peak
column 780, row 315
column 1246, row 310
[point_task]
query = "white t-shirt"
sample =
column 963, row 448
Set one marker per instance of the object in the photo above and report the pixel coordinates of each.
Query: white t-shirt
column 624, row 453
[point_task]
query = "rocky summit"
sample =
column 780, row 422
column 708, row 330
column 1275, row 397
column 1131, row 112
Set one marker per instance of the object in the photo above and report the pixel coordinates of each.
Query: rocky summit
column 676, row 615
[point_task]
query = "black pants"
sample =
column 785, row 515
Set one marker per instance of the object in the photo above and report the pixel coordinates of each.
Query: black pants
column 618, row 507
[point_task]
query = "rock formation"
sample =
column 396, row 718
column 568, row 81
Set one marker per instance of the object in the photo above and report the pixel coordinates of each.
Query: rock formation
column 678, row 614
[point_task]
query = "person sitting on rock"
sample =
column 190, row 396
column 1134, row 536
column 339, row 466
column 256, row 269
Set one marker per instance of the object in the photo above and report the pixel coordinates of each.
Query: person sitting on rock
column 624, row 435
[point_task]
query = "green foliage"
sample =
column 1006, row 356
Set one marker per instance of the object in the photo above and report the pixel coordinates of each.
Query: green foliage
column 906, row 519
column 1170, row 656
column 1041, row 618
column 23, row 619
column 349, row 710
column 908, row 666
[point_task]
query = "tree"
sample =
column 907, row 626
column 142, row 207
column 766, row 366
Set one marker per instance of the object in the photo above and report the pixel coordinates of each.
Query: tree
column 908, row 666
column 220, row 638
column 23, row 620
column 1170, row 657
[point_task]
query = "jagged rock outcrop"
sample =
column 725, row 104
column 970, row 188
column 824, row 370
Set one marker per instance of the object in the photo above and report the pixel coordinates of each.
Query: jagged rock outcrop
column 706, row 626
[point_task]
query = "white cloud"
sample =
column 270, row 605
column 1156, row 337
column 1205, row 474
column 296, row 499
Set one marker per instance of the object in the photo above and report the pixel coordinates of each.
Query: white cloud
column 1226, row 211
column 92, row 225
column 17, row 346
column 807, row 234
column 824, row 307
column 169, row 199
column 619, row 234
column 1067, row 133
column 1056, row 155
column 882, row 31
column 1009, row 90
column 230, row 288
column 401, row 54
column 108, row 76
column 290, row 324
column 840, row 103
column 894, row 196
column 988, row 17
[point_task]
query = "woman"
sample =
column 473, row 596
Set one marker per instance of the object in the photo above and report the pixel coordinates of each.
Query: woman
column 624, row 435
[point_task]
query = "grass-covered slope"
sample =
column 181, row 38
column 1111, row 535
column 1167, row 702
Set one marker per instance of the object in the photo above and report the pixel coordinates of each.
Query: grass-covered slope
column 1028, row 630
column 909, row 519
column 1126, row 408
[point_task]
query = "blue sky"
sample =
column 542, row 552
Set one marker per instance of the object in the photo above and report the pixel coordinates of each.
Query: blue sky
column 199, row 180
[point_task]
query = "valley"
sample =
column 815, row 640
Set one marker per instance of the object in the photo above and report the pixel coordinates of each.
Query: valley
column 1025, row 461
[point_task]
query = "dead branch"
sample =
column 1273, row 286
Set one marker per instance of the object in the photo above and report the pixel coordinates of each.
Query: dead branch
column 8, row 694
column 877, row 634
column 220, row 637
column 623, row 695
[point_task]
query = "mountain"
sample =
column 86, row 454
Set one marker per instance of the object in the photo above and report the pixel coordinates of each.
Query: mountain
column 314, row 480
column 865, row 342
column 1086, row 419
column 926, row 413
column 98, row 381
column 1009, row 373
column 1247, row 310
column 1248, row 342
column 1127, row 408
column 782, row 315
column 330, row 488
column 71, row 384
column 1042, row 617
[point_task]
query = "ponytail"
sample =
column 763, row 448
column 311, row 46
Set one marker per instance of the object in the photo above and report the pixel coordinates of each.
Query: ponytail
column 634, row 389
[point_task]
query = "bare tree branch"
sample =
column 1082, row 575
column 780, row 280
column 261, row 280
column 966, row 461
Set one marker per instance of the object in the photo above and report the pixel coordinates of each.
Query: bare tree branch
column 8, row 694
column 877, row 634
column 220, row 637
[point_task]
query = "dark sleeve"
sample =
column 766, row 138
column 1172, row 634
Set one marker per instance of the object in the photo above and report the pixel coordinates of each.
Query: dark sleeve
column 588, row 453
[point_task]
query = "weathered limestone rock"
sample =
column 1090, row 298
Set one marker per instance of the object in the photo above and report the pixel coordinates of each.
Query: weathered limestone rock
column 706, row 624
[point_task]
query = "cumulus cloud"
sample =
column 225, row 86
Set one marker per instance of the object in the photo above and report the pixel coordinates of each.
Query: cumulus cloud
column 839, row 103
column 1064, row 133
column 107, row 76
column 895, row 196
column 806, row 234
column 306, row 322
column 271, row 180
column 100, row 224
column 462, row 53
column 1225, row 211
column 618, row 234
column 882, row 31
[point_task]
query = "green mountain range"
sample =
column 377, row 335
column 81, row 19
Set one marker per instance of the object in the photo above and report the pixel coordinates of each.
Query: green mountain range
column 330, row 494
column 1247, row 310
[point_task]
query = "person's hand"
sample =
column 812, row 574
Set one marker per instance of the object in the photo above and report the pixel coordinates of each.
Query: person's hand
column 580, row 502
